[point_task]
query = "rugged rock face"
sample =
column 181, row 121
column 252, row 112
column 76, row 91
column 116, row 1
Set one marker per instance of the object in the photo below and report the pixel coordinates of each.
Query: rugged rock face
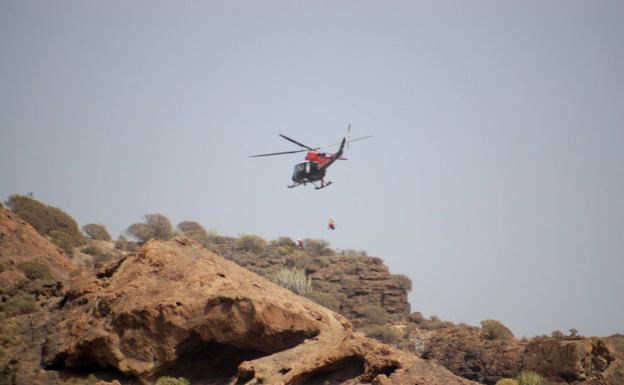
column 615, row 372
column 470, row 353
column 176, row 309
column 354, row 280
column 20, row 242
column 466, row 352
column 570, row 359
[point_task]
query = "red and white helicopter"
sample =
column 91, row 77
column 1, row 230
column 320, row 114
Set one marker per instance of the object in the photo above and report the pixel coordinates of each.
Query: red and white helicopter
column 317, row 162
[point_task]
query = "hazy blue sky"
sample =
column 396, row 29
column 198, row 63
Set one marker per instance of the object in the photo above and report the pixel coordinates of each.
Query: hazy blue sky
column 495, row 180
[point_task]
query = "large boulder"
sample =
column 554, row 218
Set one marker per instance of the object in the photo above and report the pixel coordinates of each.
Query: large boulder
column 469, row 353
column 570, row 360
column 177, row 309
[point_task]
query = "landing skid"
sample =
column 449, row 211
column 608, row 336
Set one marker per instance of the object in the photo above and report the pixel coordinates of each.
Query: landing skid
column 316, row 187
column 322, row 186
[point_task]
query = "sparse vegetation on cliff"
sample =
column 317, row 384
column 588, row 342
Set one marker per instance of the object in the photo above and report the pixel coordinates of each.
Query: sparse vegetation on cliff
column 96, row 231
column 18, row 303
column 492, row 329
column 100, row 255
column 48, row 220
column 528, row 377
column 155, row 226
column 383, row 333
column 293, row 279
column 172, row 381
column 251, row 243
column 402, row 281
column 194, row 231
column 507, row 381
column 317, row 247
column 35, row 270
column 375, row 315
column 324, row 299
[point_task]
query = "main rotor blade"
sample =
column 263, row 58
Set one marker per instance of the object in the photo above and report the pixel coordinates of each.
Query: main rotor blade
column 295, row 142
column 277, row 153
column 348, row 141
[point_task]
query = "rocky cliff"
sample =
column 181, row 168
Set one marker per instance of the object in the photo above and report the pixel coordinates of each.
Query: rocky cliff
column 485, row 356
column 174, row 308
column 353, row 279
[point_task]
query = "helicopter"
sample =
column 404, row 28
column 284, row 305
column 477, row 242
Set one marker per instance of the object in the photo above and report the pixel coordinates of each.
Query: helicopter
column 313, row 170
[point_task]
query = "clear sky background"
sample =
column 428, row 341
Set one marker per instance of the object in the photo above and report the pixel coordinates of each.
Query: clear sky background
column 495, row 180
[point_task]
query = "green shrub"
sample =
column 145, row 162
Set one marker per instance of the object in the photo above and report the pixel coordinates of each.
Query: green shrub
column 324, row 299
column 155, row 226
column 283, row 245
column 381, row 333
column 317, row 247
column 507, row 381
column 194, row 231
column 160, row 225
column 283, row 250
column 416, row 317
column 557, row 334
column 409, row 328
column 140, row 232
column 100, row 255
column 96, row 231
column 527, row 377
column 92, row 250
column 35, row 218
column 172, row 381
column 121, row 243
column 618, row 342
column 355, row 267
column 402, row 281
column 63, row 240
column 374, row 314
column 293, row 279
column 304, row 261
column 284, row 241
column 35, row 270
column 573, row 332
column 252, row 243
column 48, row 220
column 492, row 329
column 20, row 303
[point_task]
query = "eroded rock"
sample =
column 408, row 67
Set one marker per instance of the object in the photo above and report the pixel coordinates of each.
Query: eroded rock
column 176, row 309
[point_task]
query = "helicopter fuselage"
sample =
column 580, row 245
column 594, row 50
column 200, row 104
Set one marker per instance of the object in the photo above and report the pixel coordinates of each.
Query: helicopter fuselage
column 308, row 172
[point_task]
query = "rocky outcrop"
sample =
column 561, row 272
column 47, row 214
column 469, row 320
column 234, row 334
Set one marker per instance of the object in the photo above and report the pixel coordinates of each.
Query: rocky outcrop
column 465, row 351
column 471, row 353
column 355, row 280
column 570, row 360
column 20, row 242
column 176, row 309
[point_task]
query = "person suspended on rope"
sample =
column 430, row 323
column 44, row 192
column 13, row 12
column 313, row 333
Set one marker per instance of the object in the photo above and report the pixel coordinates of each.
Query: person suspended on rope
column 332, row 224
column 300, row 243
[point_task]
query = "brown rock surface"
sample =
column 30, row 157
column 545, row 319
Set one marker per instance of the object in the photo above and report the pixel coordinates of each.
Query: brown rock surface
column 467, row 353
column 355, row 280
column 177, row 309
column 570, row 360
column 20, row 242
